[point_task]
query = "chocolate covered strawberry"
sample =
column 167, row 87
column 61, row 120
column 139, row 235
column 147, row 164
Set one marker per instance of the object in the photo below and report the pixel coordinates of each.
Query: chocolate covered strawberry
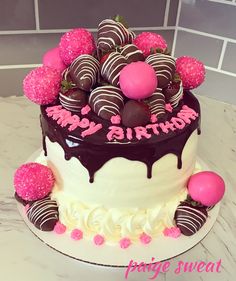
column 173, row 93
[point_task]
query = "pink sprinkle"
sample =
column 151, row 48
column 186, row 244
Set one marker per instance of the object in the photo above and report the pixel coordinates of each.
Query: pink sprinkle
column 153, row 118
column 85, row 110
column 173, row 232
column 76, row 234
column 59, row 228
column 98, row 240
column 168, row 107
column 125, row 243
column 115, row 119
column 145, row 239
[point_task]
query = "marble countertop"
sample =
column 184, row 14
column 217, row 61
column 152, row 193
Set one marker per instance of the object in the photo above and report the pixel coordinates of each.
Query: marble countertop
column 24, row 257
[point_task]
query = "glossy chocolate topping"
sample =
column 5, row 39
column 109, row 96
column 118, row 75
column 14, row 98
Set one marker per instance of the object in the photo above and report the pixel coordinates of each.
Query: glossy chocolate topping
column 95, row 150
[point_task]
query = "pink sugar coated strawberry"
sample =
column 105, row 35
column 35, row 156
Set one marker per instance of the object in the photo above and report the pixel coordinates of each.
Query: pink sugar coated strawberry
column 191, row 71
column 146, row 41
column 42, row 84
column 33, row 181
column 74, row 43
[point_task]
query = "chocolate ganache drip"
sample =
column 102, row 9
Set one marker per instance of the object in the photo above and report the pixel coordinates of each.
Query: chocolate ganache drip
column 95, row 150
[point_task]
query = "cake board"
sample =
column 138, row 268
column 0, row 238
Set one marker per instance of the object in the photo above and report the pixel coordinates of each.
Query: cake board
column 161, row 248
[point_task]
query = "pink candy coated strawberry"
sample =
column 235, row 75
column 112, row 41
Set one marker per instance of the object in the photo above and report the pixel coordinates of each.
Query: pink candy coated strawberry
column 52, row 59
column 206, row 188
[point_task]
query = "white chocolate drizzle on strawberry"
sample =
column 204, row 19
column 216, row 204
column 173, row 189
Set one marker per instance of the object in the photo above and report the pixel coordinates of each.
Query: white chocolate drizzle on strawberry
column 84, row 71
column 164, row 67
column 156, row 103
column 111, row 34
column 106, row 101
column 112, row 67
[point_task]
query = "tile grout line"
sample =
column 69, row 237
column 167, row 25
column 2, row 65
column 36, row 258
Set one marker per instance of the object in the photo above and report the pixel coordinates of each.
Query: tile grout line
column 233, row 3
column 206, row 34
column 221, row 71
column 176, row 29
column 222, row 54
column 18, row 66
column 166, row 16
column 22, row 66
column 49, row 31
column 36, row 14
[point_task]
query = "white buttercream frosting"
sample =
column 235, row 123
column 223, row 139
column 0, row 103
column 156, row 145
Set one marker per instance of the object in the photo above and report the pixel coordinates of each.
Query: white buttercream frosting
column 122, row 201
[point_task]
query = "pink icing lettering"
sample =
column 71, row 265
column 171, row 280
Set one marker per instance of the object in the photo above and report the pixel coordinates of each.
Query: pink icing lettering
column 154, row 128
column 64, row 118
column 153, row 118
column 93, row 128
column 141, row 132
column 178, row 123
column 84, row 123
column 115, row 133
column 85, row 110
column 53, row 109
column 125, row 243
column 75, row 122
column 115, row 119
column 145, row 239
column 165, row 127
column 129, row 133
column 168, row 107
column 98, row 240
column 187, row 113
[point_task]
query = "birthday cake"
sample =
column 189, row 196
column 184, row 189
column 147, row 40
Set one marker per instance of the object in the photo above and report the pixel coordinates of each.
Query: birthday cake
column 120, row 129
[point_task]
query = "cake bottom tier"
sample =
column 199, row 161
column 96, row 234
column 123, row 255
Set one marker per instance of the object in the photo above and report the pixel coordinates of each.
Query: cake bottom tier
column 114, row 213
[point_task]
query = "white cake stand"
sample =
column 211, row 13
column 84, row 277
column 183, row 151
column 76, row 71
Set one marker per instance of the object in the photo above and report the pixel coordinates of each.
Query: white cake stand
column 161, row 248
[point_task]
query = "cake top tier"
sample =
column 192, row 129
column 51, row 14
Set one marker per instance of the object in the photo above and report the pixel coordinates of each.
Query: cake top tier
column 119, row 80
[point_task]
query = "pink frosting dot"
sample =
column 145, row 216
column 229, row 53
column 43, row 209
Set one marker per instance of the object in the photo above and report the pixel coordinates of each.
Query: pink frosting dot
column 145, row 238
column 116, row 119
column 125, row 243
column 59, row 228
column 85, row 110
column 98, row 240
column 168, row 107
column 153, row 118
column 33, row 181
column 173, row 232
column 76, row 234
